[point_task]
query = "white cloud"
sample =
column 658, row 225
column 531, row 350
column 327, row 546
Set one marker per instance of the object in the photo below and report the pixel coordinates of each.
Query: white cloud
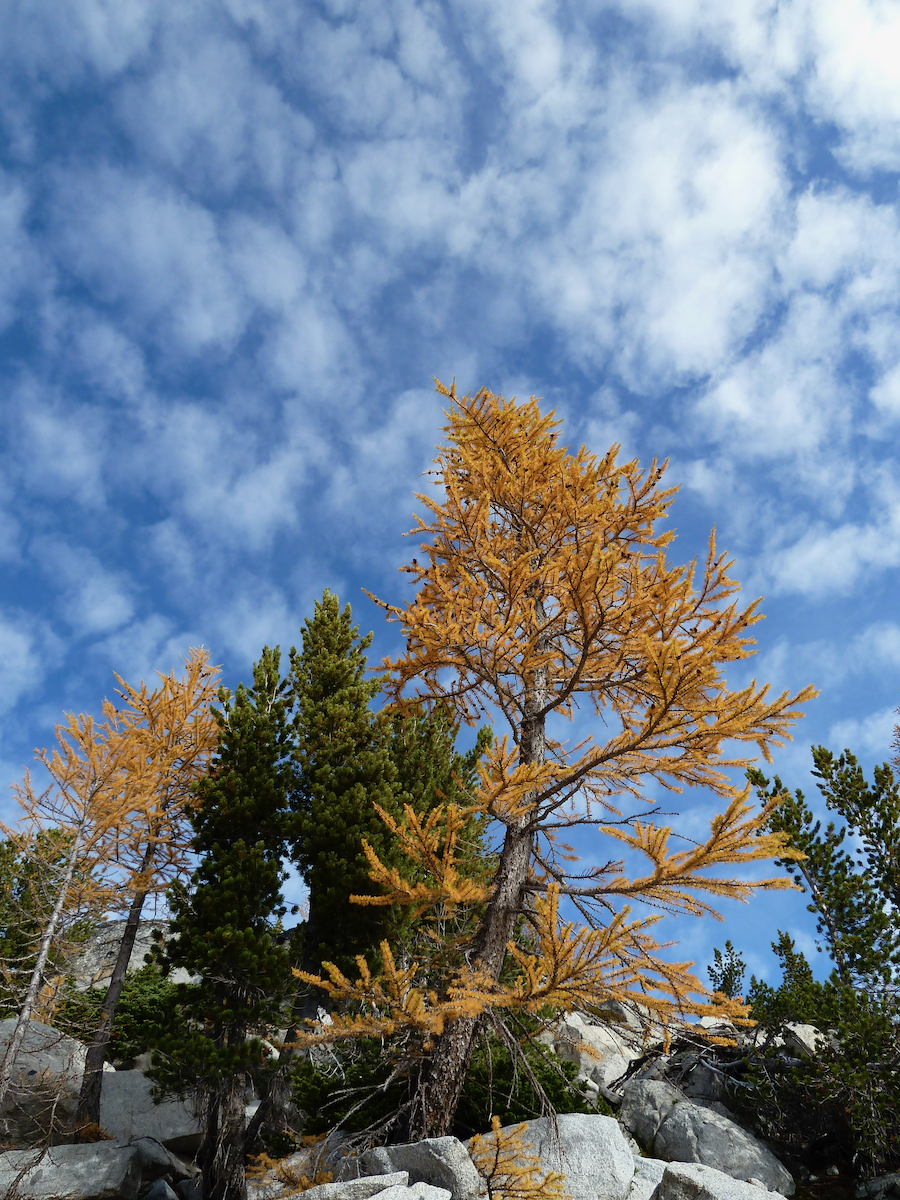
column 856, row 47
column 827, row 560
column 783, row 399
column 872, row 734
column 92, row 599
column 113, row 365
column 662, row 254
column 26, row 649
column 235, row 476
column 145, row 648
column 885, row 395
column 220, row 137
column 132, row 239
column 59, row 446
column 68, row 38
column 21, row 263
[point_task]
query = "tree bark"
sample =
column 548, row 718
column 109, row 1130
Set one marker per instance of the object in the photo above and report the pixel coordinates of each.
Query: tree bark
column 441, row 1085
column 88, row 1112
column 276, row 1109
column 222, row 1152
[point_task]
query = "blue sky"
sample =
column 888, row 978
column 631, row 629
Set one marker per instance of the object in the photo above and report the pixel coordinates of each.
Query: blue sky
column 239, row 238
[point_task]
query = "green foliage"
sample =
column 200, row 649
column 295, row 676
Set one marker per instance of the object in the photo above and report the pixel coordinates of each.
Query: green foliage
column 799, row 997
column 348, row 760
column 430, row 771
column 726, row 974
column 851, row 898
column 846, row 1097
column 343, row 770
column 28, row 891
column 367, row 1086
column 226, row 918
column 843, row 1103
column 141, row 1015
column 506, row 1081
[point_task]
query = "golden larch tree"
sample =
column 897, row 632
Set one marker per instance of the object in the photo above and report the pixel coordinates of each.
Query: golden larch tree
column 119, row 795
column 176, row 733
column 543, row 586
column 88, row 769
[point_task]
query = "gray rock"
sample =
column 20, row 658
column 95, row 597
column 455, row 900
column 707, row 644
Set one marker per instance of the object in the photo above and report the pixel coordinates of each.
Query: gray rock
column 601, row 1053
column 716, row 1027
column 161, row 1191
column 703, row 1082
column 93, row 965
column 362, row 1188
column 415, row 1191
column 804, row 1040
column 156, row 1161
column 45, row 1052
column 676, row 1129
column 442, row 1162
column 127, row 1111
column 99, row 1171
column 692, row 1181
column 619, row 1013
column 648, row 1173
column 645, row 1105
column 46, row 1079
column 695, row 1133
column 190, row 1189
column 590, row 1151
column 879, row 1186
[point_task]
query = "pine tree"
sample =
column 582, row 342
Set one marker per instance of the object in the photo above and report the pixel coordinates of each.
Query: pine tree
column 727, row 971
column 349, row 760
column 543, row 582
column 431, row 774
column 343, row 769
column 225, row 923
column 847, row 1093
column 854, row 900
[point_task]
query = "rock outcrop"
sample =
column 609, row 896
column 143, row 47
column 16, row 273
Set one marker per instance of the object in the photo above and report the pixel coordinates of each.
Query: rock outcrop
column 442, row 1162
column 127, row 1111
column 93, row 964
column 103, row 1171
column 671, row 1127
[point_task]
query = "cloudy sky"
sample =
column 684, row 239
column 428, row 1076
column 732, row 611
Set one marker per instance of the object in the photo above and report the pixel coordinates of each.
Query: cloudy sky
column 240, row 237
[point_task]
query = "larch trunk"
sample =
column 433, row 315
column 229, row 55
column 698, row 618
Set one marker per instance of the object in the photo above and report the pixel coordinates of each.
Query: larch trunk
column 88, row 1112
column 440, row 1089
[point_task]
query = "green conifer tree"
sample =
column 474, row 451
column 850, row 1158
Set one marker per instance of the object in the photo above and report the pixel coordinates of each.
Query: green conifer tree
column 225, row 924
column 344, row 768
column 854, row 900
column 350, row 759
column 430, row 771
column 845, row 1096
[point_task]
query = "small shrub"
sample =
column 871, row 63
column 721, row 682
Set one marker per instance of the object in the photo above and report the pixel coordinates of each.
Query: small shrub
column 512, row 1172
column 145, row 1000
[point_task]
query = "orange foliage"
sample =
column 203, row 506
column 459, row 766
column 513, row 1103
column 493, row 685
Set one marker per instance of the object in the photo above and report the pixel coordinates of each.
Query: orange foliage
column 543, row 586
